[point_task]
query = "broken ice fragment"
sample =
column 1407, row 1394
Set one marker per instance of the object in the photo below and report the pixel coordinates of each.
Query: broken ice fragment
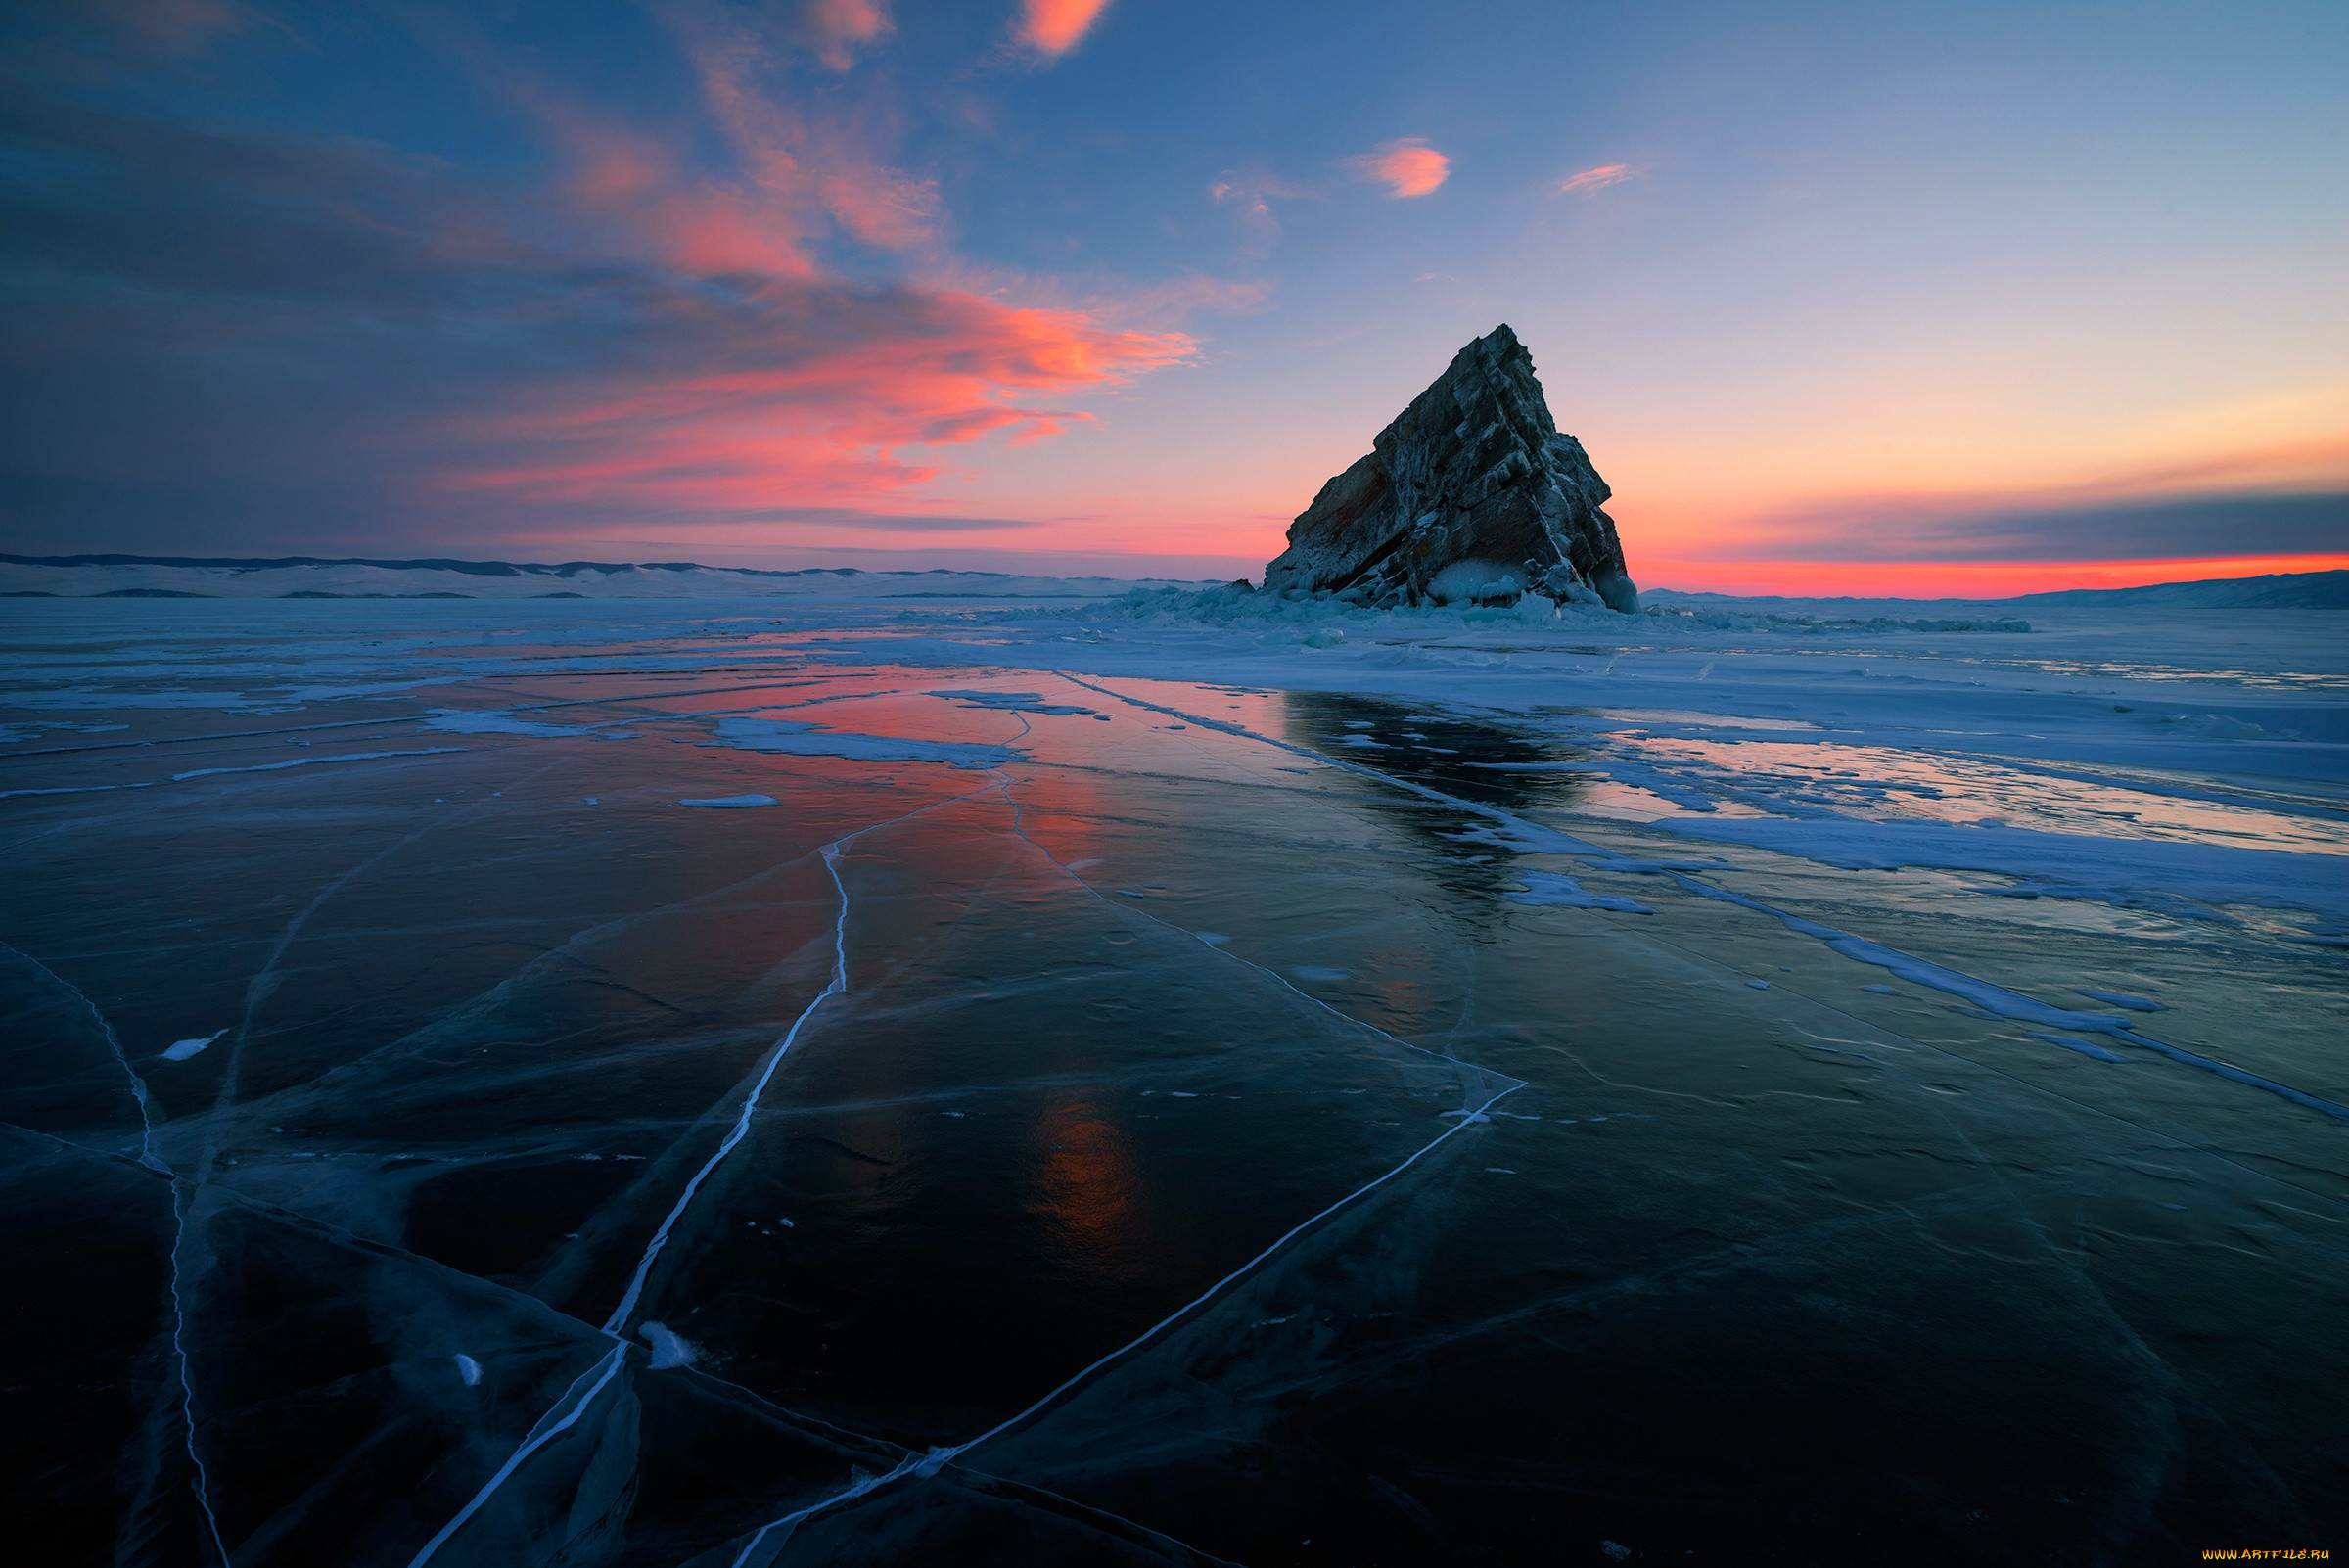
column 1547, row 888
column 667, row 1348
column 469, row 1369
column 181, row 1050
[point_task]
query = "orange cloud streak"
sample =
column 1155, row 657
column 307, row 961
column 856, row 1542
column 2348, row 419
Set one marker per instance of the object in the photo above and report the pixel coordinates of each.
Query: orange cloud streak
column 1951, row 579
column 1054, row 27
column 1408, row 167
column 824, row 392
column 762, row 381
column 1594, row 179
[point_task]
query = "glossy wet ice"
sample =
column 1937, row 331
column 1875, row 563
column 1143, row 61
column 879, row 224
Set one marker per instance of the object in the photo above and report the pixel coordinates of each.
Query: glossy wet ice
column 1100, row 1119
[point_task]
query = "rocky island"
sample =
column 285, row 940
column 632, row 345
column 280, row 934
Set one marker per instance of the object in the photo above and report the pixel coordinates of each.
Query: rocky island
column 1472, row 493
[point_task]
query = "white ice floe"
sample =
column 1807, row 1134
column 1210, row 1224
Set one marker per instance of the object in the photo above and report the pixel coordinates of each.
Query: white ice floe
column 181, row 1050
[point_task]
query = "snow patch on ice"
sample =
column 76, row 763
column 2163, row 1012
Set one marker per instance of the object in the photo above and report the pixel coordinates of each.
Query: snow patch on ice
column 1011, row 702
column 669, row 1350
column 181, row 1050
column 1550, row 890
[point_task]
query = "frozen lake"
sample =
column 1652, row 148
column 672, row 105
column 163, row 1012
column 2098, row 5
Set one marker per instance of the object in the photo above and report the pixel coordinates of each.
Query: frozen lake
column 856, row 1082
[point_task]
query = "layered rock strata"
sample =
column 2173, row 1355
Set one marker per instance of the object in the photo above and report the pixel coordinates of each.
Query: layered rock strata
column 1472, row 493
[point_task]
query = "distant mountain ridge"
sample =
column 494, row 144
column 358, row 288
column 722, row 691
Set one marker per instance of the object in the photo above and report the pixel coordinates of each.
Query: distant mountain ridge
column 309, row 576
column 2274, row 590
column 2277, row 590
column 487, row 569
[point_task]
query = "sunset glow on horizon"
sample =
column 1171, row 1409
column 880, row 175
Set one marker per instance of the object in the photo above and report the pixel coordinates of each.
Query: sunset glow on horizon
column 1060, row 282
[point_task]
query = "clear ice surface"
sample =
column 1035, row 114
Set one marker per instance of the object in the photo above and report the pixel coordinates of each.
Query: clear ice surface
column 1141, row 1087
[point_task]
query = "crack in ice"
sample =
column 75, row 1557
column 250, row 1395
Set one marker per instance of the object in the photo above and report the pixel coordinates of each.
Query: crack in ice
column 930, row 1464
column 1991, row 998
column 179, row 1224
column 613, row 1325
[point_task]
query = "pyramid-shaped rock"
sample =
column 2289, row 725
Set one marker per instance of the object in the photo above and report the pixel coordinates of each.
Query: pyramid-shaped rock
column 1472, row 493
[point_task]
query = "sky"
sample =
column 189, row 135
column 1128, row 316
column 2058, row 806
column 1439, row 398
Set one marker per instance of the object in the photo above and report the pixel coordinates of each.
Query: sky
column 1963, row 298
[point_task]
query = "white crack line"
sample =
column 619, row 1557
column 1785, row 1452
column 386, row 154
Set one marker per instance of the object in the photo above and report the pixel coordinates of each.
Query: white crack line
column 542, row 1433
column 930, row 1464
column 179, row 1221
column 1917, row 971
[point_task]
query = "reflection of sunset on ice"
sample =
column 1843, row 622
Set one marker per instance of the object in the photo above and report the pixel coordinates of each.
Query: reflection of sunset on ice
column 1097, row 783
column 1082, row 1063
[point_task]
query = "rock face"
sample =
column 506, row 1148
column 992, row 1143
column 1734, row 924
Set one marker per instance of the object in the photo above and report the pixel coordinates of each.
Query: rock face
column 1471, row 494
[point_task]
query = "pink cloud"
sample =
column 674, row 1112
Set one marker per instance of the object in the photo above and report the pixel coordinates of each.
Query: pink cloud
column 1054, row 27
column 1591, row 180
column 1407, row 166
column 838, row 26
column 1250, row 194
column 810, row 402
column 764, row 382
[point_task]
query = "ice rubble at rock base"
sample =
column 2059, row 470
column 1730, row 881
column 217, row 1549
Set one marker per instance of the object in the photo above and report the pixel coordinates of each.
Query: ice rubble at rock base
column 1240, row 603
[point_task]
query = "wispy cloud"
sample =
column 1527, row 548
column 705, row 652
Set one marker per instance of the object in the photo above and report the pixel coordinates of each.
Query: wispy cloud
column 837, row 27
column 749, row 317
column 1054, row 27
column 1591, row 181
column 1407, row 166
column 1250, row 194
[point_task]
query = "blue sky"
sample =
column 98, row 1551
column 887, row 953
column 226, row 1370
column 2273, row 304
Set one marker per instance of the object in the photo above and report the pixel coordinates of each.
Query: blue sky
column 1858, row 296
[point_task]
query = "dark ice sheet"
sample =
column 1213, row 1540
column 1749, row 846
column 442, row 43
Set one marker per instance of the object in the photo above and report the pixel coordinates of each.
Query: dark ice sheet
column 1580, row 1239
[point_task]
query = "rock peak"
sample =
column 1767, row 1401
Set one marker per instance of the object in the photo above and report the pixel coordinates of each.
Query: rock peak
column 1472, row 492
